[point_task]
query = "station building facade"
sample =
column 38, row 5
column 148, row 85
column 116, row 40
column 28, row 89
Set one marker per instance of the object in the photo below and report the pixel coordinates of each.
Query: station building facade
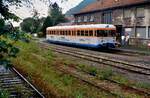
column 131, row 17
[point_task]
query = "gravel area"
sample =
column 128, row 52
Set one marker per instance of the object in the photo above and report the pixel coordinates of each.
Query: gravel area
column 131, row 58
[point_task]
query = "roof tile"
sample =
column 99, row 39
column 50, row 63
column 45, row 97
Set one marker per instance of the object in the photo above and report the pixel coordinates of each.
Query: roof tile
column 104, row 4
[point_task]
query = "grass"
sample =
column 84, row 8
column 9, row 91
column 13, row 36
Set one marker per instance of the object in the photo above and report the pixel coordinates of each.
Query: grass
column 121, row 79
column 93, row 71
column 143, row 85
column 107, row 73
column 4, row 94
column 142, row 48
column 39, row 66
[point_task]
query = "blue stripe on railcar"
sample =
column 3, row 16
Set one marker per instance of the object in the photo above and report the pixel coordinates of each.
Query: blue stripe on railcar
column 76, row 44
column 107, row 45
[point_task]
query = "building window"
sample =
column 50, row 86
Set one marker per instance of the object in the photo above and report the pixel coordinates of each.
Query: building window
column 107, row 18
column 140, row 32
column 149, row 32
column 79, row 19
column 85, row 18
column 91, row 18
column 130, row 31
column 127, row 13
column 140, row 12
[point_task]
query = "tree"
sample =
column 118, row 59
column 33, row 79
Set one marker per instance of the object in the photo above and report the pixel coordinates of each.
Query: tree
column 8, row 34
column 27, row 25
column 56, row 14
column 55, row 17
column 32, row 25
column 48, row 22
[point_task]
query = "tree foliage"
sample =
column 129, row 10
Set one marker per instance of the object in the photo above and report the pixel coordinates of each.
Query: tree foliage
column 8, row 34
column 48, row 22
column 27, row 25
column 55, row 17
column 32, row 25
column 56, row 14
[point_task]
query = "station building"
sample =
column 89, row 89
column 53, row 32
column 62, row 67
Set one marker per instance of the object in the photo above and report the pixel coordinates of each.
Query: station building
column 131, row 17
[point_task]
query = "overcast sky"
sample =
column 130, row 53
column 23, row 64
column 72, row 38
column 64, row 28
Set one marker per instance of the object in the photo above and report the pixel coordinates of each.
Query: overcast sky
column 42, row 7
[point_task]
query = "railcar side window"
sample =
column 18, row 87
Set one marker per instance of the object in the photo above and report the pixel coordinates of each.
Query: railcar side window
column 90, row 33
column 65, row 32
column 78, row 33
column 82, row 33
column 86, row 33
column 105, row 33
column 99, row 33
column 69, row 33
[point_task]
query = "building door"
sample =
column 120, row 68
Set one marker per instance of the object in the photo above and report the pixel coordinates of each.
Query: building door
column 120, row 33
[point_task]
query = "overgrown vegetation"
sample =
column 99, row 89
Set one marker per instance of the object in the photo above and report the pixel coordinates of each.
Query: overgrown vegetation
column 108, row 74
column 40, row 66
column 4, row 94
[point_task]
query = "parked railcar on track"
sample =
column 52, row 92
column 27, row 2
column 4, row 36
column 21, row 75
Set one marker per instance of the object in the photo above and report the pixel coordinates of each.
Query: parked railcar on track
column 94, row 35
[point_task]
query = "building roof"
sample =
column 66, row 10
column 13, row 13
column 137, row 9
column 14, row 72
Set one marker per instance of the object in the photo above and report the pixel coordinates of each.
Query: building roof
column 107, row 4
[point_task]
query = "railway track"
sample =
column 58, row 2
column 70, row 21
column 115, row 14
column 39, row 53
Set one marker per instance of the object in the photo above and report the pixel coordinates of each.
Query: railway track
column 140, row 69
column 16, row 85
column 96, row 84
column 90, row 79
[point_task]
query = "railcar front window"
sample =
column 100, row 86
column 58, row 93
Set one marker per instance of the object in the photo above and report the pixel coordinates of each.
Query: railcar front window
column 99, row 33
column 111, row 33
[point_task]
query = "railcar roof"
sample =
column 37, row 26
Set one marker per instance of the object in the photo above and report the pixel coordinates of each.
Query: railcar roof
column 83, row 26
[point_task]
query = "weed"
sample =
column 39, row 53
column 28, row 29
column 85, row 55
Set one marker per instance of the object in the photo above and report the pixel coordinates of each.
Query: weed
column 81, row 66
column 93, row 71
column 105, row 74
column 78, row 94
column 121, row 79
column 4, row 94
column 143, row 85
column 67, row 79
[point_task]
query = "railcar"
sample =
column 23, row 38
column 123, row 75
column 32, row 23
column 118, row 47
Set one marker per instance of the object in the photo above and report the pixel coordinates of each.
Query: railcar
column 93, row 35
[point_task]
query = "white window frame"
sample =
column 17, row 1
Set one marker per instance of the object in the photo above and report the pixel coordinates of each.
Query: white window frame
column 140, row 12
column 91, row 18
column 127, row 13
column 85, row 18
column 79, row 19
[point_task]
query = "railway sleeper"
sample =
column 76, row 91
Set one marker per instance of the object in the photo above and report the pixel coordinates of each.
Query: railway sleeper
column 12, row 80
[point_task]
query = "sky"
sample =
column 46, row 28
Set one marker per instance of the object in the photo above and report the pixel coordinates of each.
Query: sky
column 42, row 8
